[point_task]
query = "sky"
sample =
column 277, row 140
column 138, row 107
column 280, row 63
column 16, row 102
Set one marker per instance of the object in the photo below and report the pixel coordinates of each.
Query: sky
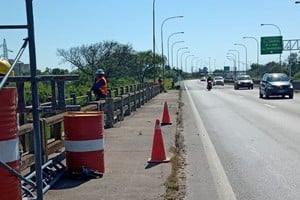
column 211, row 28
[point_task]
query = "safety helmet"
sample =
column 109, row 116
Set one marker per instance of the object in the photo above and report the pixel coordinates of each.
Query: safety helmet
column 100, row 72
column 4, row 67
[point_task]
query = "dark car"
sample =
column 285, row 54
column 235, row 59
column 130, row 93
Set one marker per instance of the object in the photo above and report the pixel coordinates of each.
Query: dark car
column 243, row 81
column 276, row 84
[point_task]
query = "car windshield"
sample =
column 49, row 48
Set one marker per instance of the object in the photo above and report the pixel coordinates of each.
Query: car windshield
column 277, row 77
column 243, row 78
column 218, row 78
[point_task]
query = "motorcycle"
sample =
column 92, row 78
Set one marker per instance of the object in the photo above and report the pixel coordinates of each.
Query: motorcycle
column 209, row 85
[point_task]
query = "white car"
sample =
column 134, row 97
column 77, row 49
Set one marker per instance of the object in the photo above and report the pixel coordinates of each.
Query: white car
column 243, row 81
column 203, row 78
column 218, row 80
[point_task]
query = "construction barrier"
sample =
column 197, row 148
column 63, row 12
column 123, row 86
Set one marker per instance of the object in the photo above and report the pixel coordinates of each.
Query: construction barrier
column 84, row 141
column 10, row 185
column 166, row 116
column 158, row 154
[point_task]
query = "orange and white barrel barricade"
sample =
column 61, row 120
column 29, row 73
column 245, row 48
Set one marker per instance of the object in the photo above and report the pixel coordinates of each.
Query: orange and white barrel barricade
column 10, row 185
column 84, row 141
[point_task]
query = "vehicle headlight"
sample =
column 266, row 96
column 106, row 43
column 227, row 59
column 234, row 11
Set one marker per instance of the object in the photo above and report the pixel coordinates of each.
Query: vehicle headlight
column 291, row 86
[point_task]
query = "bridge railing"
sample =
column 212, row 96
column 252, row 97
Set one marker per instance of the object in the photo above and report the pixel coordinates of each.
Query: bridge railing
column 120, row 102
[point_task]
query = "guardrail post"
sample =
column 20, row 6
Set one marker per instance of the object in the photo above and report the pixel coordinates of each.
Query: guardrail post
column 89, row 96
column 130, row 88
column 122, row 91
column 152, row 93
column 134, row 100
column 109, row 93
column 61, row 94
column 116, row 92
column 44, row 138
column 143, row 94
column 138, row 90
column 73, row 96
column 53, row 94
column 109, row 112
column 128, row 111
column 21, row 100
column 147, row 93
column 121, row 117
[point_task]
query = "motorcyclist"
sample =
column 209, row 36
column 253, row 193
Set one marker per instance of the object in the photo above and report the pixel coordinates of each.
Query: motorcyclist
column 209, row 79
column 209, row 82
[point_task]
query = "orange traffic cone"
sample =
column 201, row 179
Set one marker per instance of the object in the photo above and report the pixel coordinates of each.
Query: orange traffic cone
column 166, row 117
column 158, row 151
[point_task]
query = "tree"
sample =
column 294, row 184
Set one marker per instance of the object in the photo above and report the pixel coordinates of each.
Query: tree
column 292, row 63
column 143, row 65
column 112, row 57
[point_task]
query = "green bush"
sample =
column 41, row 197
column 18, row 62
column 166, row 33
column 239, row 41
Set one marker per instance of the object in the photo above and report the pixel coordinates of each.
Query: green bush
column 297, row 76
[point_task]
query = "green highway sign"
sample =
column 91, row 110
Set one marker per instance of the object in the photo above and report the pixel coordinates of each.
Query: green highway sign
column 226, row 68
column 271, row 45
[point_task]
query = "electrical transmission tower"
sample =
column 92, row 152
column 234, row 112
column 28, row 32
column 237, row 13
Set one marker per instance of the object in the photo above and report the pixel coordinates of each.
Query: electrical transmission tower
column 5, row 50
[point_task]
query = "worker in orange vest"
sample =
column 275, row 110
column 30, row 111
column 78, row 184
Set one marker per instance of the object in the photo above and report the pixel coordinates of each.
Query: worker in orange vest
column 100, row 85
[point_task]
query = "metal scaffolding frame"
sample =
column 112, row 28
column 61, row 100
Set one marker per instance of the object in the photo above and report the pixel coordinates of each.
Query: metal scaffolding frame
column 35, row 101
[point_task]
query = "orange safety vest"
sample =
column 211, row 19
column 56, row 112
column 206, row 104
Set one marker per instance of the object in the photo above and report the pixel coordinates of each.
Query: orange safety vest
column 103, row 89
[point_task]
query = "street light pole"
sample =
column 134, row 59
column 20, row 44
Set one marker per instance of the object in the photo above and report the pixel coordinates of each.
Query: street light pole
column 238, row 57
column 185, row 52
column 153, row 33
column 169, row 43
column 257, row 45
column 246, row 55
column 192, row 63
column 279, row 35
column 209, row 68
column 232, row 59
column 186, row 62
column 257, row 56
column 178, row 53
column 162, row 45
column 178, row 56
column 234, row 63
column 172, row 51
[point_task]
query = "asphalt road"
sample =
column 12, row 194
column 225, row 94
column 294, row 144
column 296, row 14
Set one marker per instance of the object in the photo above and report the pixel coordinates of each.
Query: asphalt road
column 240, row 146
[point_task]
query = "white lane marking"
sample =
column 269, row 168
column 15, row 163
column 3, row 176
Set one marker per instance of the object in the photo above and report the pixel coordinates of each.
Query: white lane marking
column 270, row 106
column 224, row 189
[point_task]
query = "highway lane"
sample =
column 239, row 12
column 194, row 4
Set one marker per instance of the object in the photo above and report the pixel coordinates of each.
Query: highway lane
column 256, row 140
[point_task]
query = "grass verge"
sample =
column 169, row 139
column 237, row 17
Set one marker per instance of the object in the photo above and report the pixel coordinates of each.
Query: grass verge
column 175, row 182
